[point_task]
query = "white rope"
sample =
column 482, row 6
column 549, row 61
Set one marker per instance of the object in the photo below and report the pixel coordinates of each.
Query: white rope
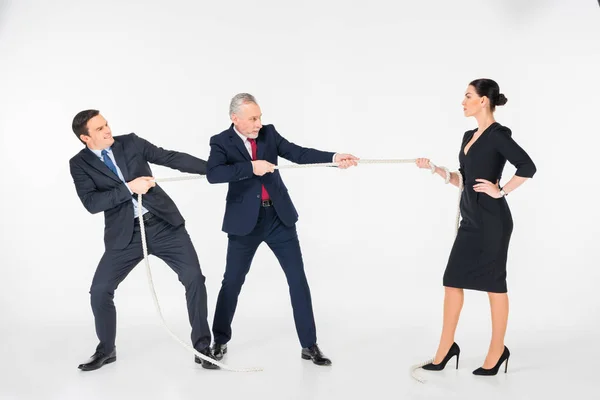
column 432, row 166
column 447, row 178
column 414, row 368
column 157, row 305
column 299, row 166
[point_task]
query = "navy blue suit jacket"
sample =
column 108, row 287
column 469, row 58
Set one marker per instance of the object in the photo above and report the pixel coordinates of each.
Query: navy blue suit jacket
column 230, row 162
column 101, row 190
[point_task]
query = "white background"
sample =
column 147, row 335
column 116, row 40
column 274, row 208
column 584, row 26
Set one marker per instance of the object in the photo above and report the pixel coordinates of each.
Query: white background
column 379, row 79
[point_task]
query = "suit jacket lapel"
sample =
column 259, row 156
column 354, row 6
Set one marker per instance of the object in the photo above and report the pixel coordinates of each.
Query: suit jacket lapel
column 117, row 149
column 261, row 145
column 237, row 141
column 94, row 161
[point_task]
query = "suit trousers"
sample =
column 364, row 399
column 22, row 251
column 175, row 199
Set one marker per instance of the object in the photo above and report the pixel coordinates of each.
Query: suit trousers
column 283, row 241
column 172, row 245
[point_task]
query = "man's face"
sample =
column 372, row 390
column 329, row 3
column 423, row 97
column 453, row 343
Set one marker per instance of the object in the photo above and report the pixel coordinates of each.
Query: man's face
column 247, row 120
column 99, row 135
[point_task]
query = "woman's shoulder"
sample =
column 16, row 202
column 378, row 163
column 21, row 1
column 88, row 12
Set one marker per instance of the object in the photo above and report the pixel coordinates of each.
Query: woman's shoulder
column 469, row 134
column 500, row 131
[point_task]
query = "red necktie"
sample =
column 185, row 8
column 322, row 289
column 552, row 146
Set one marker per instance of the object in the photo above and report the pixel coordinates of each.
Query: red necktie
column 265, row 194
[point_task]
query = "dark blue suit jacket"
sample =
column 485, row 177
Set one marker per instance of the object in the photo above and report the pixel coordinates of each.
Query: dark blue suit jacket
column 230, row 161
column 101, row 190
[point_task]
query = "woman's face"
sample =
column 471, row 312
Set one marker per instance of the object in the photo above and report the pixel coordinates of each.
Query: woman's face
column 473, row 103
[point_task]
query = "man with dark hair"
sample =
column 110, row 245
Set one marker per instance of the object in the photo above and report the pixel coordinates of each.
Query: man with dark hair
column 108, row 174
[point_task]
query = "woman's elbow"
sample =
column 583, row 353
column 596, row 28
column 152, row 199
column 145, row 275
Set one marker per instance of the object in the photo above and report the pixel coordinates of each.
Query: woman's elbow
column 527, row 171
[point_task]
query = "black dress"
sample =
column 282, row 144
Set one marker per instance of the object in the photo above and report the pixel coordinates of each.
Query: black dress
column 478, row 258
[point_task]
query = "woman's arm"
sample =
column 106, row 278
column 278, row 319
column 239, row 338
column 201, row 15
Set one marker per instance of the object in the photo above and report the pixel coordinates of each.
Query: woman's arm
column 424, row 163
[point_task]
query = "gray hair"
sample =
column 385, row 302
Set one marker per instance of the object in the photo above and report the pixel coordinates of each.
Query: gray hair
column 239, row 100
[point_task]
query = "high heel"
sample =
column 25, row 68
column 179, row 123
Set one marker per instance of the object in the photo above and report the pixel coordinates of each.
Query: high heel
column 493, row 371
column 454, row 351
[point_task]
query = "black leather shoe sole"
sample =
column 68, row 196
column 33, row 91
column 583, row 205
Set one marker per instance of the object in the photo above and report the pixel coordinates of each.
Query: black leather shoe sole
column 325, row 362
column 87, row 367
column 205, row 364
column 219, row 356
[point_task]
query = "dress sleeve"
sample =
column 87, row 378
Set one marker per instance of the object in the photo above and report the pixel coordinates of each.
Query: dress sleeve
column 509, row 149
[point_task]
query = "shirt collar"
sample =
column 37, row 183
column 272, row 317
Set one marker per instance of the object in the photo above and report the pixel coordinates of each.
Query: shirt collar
column 98, row 153
column 244, row 138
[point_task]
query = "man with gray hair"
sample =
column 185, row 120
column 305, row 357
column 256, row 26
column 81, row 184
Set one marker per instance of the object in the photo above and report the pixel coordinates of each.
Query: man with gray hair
column 259, row 209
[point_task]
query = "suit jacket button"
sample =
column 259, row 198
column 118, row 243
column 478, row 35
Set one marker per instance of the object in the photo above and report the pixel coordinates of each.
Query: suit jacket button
column 258, row 196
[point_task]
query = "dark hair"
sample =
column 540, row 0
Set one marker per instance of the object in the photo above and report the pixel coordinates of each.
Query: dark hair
column 80, row 122
column 491, row 90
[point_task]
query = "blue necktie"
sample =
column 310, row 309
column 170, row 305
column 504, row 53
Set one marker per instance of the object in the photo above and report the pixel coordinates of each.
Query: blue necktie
column 109, row 163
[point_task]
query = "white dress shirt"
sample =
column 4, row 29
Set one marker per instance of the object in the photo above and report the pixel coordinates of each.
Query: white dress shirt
column 112, row 157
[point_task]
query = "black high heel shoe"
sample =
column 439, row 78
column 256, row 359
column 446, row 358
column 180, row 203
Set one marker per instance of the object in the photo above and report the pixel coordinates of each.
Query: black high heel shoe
column 493, row 371
column 454, row 351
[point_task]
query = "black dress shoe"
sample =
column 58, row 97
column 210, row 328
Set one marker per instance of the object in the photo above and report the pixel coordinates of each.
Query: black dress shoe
column 98, row 360
column 494, row 370
column 314, row 353
column 206, row 364
column 219, row 350
column 454, row 351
